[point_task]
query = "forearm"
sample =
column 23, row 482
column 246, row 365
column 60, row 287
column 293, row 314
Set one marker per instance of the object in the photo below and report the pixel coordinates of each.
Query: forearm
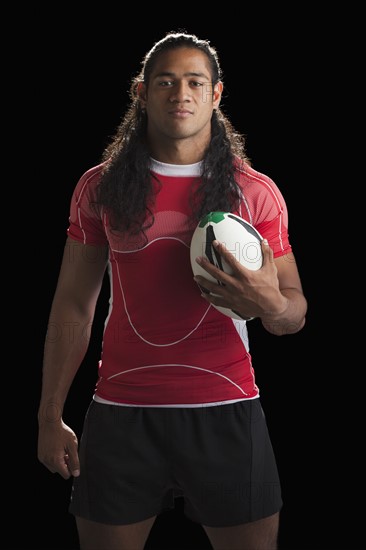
column 66, row 344
column 290, row 316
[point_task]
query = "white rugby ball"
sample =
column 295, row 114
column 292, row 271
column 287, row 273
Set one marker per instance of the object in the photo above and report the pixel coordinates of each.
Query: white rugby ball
column 238, row 236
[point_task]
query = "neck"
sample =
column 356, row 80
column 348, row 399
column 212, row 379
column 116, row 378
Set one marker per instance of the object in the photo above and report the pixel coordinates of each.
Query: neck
column 178, row 151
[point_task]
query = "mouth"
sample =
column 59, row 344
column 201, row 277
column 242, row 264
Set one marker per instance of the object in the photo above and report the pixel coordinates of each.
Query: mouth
column 180, row 113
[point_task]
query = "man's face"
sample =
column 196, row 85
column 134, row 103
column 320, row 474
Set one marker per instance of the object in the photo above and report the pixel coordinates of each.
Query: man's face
column 179, row 99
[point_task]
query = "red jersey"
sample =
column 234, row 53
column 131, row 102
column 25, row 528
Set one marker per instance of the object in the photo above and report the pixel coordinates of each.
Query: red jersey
column 163, row 345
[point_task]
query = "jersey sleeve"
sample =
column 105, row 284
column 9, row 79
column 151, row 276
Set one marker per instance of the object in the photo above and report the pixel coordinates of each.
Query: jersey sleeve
column 265, row 208
column 86, row 219
column 276, row 233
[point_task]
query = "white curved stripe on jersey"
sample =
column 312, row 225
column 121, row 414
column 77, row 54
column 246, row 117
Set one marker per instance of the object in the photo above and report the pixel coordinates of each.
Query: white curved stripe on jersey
column 178, row 365
column 148, row 244
column 125, row 304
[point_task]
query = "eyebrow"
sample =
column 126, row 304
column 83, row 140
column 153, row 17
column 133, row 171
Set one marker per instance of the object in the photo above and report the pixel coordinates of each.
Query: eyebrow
column 167, row 73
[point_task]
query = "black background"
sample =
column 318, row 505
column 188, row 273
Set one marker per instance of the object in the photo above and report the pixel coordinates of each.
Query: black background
column 74, row 74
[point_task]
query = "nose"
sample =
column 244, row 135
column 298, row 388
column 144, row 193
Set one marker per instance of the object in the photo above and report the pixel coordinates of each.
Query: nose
column 180, row 92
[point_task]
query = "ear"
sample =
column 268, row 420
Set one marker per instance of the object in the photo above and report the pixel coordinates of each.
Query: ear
column 217, row 93
column 141, row 92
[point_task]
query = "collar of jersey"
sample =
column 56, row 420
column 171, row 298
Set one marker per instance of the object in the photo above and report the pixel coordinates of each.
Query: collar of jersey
column 174, row 170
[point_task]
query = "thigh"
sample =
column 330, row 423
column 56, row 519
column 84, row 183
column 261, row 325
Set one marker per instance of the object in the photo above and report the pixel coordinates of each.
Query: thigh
column 257, row 535
column 227, row 467
column 123, row 473
column 99, row 536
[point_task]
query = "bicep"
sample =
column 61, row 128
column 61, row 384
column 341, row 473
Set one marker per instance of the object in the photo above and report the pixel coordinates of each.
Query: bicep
column 287, row 272
column 81, row 274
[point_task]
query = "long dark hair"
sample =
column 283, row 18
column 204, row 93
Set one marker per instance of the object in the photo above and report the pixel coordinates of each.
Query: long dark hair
column 126, row 187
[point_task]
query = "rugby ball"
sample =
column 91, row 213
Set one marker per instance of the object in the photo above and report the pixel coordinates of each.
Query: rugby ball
column 238, row 236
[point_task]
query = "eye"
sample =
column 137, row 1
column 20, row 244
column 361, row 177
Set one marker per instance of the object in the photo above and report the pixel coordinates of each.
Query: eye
column 196, row 84
column 165, row 83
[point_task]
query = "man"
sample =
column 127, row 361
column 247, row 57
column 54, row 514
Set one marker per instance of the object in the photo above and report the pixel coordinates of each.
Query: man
column 176, row 410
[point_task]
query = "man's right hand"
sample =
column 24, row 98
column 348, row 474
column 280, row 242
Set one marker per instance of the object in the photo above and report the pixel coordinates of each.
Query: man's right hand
column 58, row 449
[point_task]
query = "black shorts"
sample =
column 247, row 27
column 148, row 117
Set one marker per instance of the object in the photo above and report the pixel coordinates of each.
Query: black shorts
column 136, row 460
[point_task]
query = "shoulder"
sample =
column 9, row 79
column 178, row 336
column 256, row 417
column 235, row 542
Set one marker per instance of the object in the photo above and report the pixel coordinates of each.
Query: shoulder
column 247, row 176
column 262, row 200
column 88, row 182
column 84, row 197
column 254, row 183
column 85, row 219
column 91, row 176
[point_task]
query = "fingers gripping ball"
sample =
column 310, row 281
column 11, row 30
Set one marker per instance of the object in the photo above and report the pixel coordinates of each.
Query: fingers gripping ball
column 239, row 237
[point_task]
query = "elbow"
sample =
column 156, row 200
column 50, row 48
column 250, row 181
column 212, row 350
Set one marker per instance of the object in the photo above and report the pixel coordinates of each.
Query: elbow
column 293, row 328
column 291, row 321
column 280, row 328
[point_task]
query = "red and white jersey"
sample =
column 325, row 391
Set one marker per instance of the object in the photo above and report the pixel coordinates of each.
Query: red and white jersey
column 163, row 345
